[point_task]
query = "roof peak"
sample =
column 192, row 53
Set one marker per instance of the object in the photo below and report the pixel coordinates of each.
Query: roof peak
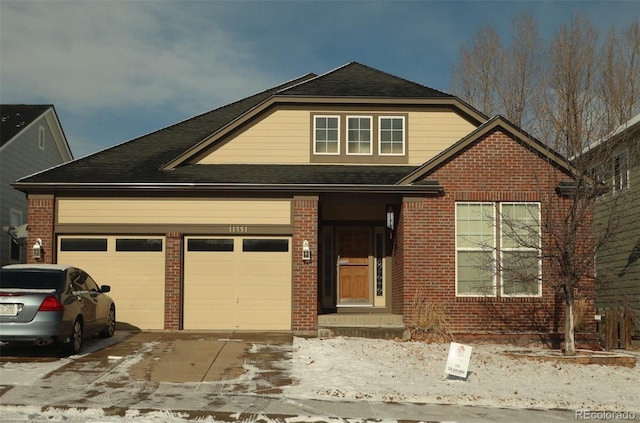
column 355, row 79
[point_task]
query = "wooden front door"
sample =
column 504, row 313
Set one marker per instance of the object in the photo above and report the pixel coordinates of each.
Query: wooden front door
column 354, row 281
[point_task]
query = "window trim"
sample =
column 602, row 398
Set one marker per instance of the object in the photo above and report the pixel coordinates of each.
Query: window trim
column 404, row 135
column 41, row 137
column 457, row 248
column 497, row 250
column 619, row 182
column 315, row 141
column 371, row 131
column 537, row 250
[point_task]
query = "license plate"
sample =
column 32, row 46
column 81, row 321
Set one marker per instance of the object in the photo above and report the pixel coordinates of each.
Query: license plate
column 8, row 309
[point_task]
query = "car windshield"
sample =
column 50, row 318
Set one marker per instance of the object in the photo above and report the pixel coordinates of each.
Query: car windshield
column 29, row 279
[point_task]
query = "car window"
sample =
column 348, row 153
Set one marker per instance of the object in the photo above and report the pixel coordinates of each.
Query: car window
column 29, row 279
column 76, row 280
column 91, row 284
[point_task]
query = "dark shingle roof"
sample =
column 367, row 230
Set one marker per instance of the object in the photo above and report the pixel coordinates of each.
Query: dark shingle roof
column 15, row 117
column 357, row 80
column 141, row 160
column 250, row 174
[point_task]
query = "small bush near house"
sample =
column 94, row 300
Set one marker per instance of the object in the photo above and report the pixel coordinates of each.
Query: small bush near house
column 430, row 322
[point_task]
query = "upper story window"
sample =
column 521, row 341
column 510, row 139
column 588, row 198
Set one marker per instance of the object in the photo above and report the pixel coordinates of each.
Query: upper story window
column 359, row 135
column 621, row 171
column 391, row 135
column 41, row 137
column 326, row 135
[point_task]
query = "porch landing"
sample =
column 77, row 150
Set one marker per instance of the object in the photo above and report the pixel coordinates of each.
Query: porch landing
column 362, row 325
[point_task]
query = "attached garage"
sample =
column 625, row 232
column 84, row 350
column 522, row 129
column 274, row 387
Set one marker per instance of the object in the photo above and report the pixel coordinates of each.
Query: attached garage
column 237, row 282
column 134, row 266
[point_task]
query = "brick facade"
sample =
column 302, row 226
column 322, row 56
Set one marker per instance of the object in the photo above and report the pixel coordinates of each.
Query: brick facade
column 173, row 282
column 41, row 221
column 305, row 273
column 496, row 169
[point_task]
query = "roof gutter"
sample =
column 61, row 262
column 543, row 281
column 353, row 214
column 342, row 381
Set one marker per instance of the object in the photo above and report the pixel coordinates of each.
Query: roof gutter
column 42, row 188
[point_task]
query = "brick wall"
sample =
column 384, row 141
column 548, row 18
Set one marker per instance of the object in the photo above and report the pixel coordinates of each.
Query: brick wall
column 495, row 169
column 41, row 223
column 173, row 282
column 305, row 273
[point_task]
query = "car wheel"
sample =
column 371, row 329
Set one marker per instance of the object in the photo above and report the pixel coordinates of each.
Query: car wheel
column 111, row 324
column 75, row 340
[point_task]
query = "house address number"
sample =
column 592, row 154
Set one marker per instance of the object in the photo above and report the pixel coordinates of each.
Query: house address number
column 238, row 229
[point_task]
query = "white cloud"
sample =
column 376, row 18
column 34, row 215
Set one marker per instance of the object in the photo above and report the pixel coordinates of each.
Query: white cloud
column 107, row 54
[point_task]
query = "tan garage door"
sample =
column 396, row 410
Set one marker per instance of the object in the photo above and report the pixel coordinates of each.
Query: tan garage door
column 237, row 283
column 132, row 265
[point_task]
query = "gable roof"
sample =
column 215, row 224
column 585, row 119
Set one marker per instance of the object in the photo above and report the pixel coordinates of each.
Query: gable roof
column 496, row 123
column 162, row 158
column 14, row 118
column 357, row 80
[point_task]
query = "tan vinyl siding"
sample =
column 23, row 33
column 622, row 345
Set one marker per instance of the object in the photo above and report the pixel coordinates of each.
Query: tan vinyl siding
column 282, row 137
column 174, row 211
column 285, row 137
column 432, row 132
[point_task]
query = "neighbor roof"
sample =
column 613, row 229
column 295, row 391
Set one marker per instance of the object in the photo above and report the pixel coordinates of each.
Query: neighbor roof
column 15, row 117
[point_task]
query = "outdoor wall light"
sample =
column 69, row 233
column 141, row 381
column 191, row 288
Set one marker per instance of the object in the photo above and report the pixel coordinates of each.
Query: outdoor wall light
column 306, row 251
column 37, row 249
column 391, row 218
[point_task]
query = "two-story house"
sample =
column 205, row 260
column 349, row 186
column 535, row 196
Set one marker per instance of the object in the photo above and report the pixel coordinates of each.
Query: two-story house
column 618, row 212
column 31, row 139
column 348, row 192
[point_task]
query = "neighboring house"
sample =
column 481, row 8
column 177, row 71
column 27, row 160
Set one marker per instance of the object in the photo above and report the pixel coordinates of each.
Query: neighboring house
column 31, row 139
column 618, row 263
column 355, row 191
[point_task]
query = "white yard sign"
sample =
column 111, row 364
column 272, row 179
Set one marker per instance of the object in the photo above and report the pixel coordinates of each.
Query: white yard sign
column 458, row 360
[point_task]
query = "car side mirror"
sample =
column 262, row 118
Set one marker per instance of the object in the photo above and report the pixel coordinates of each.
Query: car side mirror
column 105, row 288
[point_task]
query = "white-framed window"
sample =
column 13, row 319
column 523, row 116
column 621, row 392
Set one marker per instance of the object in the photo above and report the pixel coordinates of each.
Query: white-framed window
column 326, row 133
column 359, row 135
column 41, row 137
column 475, row 249
column 621, row 171
column 391, row 135
column 498, row 249
column 520, row 250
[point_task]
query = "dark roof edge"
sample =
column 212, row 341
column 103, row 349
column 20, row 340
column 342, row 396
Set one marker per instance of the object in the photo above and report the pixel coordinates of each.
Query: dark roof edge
column 497, row 122
column 52, row 187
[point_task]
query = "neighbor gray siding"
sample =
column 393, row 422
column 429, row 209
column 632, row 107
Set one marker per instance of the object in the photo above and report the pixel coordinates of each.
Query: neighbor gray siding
column 20, row 157
column 618, row 264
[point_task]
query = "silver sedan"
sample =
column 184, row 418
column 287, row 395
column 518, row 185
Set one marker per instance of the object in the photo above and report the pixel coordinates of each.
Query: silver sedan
column 47, row 303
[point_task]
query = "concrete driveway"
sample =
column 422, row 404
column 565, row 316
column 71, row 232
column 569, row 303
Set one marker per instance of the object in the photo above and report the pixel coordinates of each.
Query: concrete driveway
column 202, row 356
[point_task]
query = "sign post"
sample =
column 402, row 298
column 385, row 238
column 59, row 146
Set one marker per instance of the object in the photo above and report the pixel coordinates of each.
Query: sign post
column 458, row 360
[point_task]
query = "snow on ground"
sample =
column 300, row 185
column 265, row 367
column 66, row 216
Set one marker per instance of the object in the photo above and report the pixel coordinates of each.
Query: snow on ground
column 386, row 370
column 351, row 369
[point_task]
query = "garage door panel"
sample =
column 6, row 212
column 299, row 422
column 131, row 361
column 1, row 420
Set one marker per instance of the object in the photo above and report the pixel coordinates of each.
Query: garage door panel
column 136, row 278
column 238, row 289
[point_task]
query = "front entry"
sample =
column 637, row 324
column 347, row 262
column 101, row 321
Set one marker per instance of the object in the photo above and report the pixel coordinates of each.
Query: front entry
column 354, row 278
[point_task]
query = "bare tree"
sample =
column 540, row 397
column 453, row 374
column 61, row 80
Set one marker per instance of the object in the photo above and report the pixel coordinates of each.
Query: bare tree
column 579, row 93
column 498, row 79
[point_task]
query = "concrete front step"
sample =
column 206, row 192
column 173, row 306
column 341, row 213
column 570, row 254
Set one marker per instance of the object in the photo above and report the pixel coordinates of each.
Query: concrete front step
column 365, row 332
column 362, row 325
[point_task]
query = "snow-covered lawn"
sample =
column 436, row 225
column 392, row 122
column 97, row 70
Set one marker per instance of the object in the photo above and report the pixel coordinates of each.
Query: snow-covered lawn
column 352, row 369
column 386, row 370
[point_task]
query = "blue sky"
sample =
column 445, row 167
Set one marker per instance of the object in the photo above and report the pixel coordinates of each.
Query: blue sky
column 117, row 69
